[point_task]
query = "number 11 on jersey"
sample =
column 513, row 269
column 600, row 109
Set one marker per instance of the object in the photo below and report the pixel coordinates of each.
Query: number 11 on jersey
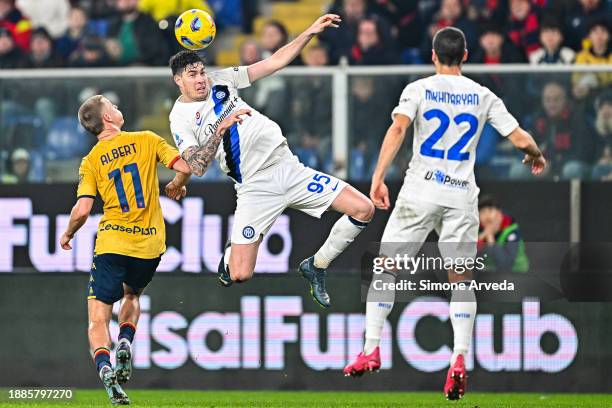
column 115, row 175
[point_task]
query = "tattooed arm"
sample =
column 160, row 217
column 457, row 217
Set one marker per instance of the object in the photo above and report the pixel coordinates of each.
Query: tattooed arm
column 200, row 157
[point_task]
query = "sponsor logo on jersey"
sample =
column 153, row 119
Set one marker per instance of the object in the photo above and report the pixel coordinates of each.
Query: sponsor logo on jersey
column 212, row 127
column 130, row 230
column 248, row 232
column 439, row 177
column 198, row 119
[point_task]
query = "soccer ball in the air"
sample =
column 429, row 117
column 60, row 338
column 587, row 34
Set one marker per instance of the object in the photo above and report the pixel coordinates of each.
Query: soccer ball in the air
column 195, row 29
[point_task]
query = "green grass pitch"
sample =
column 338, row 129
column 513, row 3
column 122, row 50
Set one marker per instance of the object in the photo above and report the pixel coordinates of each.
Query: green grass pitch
column 178, row 398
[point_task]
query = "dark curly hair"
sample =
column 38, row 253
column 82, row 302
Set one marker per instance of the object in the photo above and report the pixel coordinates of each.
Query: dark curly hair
column 182, row 59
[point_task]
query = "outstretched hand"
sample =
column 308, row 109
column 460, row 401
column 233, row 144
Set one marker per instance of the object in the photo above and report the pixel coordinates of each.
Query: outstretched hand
column 379, row 194
column 175, row 191
column 538, row 164
column 232, row 119
column 327, row 20
column 65, row 242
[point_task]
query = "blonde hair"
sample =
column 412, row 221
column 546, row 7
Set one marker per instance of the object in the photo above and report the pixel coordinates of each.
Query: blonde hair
column 90, row 114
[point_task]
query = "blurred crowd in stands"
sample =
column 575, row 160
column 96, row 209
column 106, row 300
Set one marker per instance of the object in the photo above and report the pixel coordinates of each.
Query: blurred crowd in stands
column 97, row 33
column 570, row 115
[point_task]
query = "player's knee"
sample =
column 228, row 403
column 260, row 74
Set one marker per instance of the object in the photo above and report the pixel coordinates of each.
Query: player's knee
column 241, row 274
column 97, row 323
column 130, row 298
column 364, row 210
column 370, row 209
column 95, row 320
column 240, row 271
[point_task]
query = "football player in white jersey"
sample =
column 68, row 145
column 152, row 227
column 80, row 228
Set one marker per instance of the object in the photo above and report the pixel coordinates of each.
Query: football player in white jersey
column 439, row 191
column 254, row 154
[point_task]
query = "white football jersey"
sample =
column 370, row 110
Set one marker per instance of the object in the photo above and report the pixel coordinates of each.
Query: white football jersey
column 245, row 148
column 448, row 113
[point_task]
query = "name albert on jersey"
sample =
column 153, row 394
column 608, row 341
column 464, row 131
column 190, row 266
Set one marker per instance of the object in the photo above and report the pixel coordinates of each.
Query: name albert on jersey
column 448, row 113
column 246, row 146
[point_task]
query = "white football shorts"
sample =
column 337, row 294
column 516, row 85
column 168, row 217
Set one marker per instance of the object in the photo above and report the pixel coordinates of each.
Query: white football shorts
column 413, row 219
column 286, row 183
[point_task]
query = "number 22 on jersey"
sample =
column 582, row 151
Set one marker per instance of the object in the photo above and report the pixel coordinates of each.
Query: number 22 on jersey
column 454, row 153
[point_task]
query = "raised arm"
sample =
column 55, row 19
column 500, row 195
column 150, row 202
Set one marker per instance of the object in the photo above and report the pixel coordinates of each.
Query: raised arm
column 78, row 217
column 379, row 193
column 199, row 157
column 525, row 143
column 286, row 54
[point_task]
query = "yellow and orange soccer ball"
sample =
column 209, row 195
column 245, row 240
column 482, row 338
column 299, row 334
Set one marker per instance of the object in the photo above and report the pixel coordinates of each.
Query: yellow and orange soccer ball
column 195, row 29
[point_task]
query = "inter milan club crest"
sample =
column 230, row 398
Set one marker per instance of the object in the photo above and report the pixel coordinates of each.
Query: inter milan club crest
column 220, row 95
column 248, row 232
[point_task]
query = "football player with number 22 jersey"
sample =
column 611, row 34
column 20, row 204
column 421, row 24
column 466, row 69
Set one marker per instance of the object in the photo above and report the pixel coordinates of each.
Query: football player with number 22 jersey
column 254, row 154
column 439, row 192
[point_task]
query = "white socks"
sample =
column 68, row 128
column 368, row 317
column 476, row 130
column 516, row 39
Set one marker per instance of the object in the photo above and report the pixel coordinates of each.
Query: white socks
column 462, row 314
column 226, row 255
column 378, row 306
column 340, row 237
column 380, row 303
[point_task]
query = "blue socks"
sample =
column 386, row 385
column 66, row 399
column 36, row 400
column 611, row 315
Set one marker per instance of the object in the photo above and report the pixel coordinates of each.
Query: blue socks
column 127, row 331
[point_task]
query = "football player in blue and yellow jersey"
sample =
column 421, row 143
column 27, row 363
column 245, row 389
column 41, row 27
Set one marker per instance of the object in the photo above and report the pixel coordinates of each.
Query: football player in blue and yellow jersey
column 122, row 169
